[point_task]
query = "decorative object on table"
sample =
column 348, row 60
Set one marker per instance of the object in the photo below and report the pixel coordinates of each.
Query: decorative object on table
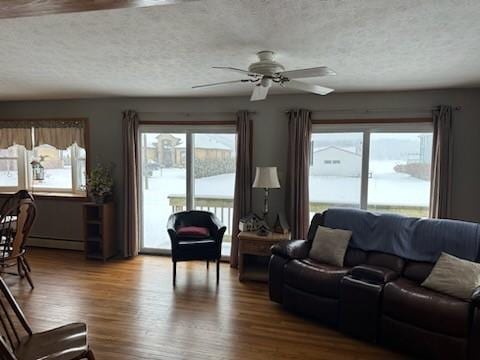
column 254, row 253
column 195, row 235
column 99, row 230
column 266, row 178
column 68, row 342
column 263, row 230
column 281, row 225
column 251, row 222
column 100, row 184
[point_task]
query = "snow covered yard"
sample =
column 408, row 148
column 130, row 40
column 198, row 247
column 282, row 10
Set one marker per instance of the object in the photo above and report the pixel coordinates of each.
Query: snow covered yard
column 386, row 187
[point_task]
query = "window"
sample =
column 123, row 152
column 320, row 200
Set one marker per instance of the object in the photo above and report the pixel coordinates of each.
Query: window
column 384, row 168
column 185, row 168
column 43, row 168
column 9, row 159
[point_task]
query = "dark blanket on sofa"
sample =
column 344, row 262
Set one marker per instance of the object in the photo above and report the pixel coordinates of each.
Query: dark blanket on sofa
column 411, row 238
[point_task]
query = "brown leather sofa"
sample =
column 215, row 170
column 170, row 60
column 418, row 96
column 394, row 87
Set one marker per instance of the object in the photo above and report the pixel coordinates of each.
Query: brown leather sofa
column 377, row 297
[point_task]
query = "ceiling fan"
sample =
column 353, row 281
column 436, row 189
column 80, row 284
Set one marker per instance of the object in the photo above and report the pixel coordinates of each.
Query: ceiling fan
column 266, row 72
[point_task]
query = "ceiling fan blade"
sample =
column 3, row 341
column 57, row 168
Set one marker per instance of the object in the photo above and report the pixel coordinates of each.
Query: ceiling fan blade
column 17, row 8
column 300, row 85
column 241, row 71
column 221, row 83
column 306, row 73
column 259, row 93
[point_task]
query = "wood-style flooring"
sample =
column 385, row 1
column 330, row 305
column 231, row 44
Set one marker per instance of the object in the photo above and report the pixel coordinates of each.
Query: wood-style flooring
column 133, row 312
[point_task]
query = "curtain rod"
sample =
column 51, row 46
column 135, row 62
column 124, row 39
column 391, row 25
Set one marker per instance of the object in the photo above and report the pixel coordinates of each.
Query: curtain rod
column 188, row 114
column 385, row 110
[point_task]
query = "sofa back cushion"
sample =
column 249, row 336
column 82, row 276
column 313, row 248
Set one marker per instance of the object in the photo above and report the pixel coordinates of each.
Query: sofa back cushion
column 417, row 271
column 388, row 261
column 354, row 257
column 407, row 237
column 317, row 221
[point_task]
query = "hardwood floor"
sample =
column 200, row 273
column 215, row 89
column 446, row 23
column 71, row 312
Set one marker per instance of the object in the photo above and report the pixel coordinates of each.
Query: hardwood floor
column 133, row 312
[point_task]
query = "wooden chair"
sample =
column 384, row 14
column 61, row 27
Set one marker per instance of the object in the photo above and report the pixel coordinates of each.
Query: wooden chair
column 13, row 201
column 68, row 342
column 15, row 224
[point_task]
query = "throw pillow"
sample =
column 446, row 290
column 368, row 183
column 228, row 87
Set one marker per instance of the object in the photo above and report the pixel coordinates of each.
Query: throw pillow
column 454, row 276
column 330, row 245
column 193, row 231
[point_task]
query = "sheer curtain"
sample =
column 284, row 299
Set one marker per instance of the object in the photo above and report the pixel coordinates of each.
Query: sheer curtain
column 242, row 203
column 441, row 184
column 297, row 197
column 130, row 175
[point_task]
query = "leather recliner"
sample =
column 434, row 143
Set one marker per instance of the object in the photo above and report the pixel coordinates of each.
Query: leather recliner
column 376, row 295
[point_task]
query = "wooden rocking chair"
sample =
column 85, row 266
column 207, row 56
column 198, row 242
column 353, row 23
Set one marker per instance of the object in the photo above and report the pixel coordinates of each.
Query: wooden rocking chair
column 68, row 342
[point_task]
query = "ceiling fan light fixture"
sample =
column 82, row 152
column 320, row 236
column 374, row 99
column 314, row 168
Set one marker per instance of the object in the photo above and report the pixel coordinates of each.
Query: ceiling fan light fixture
column 265, row 72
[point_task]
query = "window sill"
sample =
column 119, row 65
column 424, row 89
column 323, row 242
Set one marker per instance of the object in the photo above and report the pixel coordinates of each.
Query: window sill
column 44, row 195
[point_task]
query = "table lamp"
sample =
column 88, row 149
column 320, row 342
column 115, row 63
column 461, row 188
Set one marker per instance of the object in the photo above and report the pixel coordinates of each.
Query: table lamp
column 266, row 178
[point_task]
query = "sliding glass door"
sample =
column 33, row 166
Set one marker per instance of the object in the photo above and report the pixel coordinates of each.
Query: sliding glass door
column 184, row 169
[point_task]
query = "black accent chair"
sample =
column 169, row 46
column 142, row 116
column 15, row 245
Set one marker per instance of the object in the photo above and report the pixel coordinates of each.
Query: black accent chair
column 187, row 247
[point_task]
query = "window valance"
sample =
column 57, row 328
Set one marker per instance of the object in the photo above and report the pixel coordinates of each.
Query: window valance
column 59, row 133
column 15, row 132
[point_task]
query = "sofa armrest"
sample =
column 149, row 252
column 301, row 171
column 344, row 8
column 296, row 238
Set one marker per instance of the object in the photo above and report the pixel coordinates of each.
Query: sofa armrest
column 292, row 249
column 373, row 274
column 476, row 297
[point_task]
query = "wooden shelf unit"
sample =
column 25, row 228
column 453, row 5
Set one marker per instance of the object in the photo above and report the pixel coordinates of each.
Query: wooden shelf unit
column 99, row 230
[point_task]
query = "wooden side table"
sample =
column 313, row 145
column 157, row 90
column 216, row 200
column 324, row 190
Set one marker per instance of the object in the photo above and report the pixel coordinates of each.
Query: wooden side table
column 254, row 253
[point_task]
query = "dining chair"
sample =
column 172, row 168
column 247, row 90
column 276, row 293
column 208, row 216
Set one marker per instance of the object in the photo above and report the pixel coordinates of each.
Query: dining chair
column 195, row 235
column 19, row 342
column 15, row 224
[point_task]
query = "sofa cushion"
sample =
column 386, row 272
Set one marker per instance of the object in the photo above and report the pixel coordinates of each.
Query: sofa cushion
column 330, row 245
column 417, row 270
column 354, row 257
column 454, row 276
column 406, row 301
column 314, row 277
column 388, row 261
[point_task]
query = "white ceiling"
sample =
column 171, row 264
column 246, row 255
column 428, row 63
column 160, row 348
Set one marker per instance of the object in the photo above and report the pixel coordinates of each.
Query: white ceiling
column 163, row 51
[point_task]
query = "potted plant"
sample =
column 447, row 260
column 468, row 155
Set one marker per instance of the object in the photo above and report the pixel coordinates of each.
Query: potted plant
column 100, row 184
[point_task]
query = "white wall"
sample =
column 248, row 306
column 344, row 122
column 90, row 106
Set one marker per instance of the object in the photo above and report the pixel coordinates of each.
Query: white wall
column 349, row 164
column 62, row 219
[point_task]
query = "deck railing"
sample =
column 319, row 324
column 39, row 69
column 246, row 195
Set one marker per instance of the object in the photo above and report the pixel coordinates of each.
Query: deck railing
column 223, row 207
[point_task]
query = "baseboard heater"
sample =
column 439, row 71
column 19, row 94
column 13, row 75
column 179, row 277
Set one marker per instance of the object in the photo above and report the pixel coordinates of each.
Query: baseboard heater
column 55, row 243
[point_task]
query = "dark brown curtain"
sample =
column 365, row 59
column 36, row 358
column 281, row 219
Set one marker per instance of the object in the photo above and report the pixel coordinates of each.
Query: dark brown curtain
column 242, row 202
column 297, row 198
column 130, row 175
column 441, row 183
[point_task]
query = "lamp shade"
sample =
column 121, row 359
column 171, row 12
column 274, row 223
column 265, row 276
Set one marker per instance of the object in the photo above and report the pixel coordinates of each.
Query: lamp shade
column 266, row 177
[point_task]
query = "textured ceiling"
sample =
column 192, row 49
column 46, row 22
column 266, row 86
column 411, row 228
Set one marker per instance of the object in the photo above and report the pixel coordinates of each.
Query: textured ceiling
column 163, row 51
